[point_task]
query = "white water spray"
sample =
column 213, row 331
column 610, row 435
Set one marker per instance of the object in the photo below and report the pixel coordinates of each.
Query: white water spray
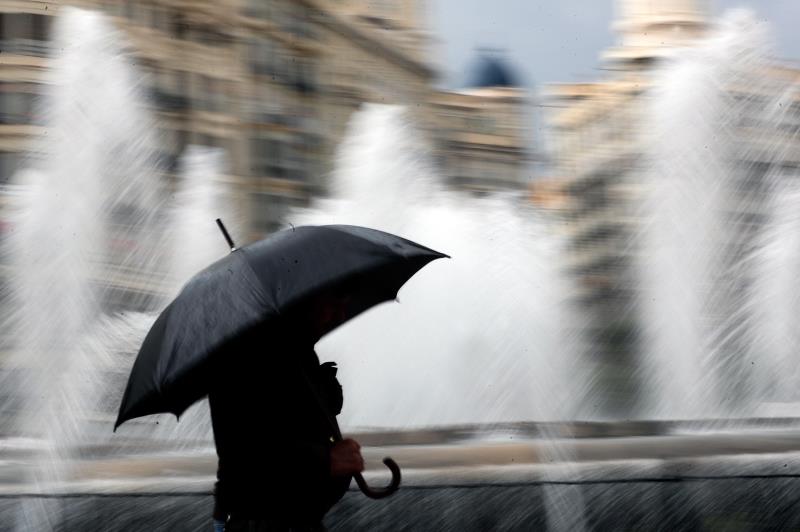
column 707, row 190
column 93, row 235
column 474, row 339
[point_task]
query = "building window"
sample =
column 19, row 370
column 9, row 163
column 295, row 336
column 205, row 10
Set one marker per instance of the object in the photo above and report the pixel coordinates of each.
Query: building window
column 24, row 33
column 161, row 19
column 298, row 21
column 208, row 94
column 302, row 76
column 296, row 160
column 220, row 95
column 178, row 24
column 210, row 141
column 279, row 157
column 171, row 147
column 169, row 91
column 263, row 57
column 112, row 7
column 259, row 8
column 267, row 157
column 267, row 212
column 130, row 9
column 268, row 58
column 18, row 104
column 9, row 162
column 208, row 35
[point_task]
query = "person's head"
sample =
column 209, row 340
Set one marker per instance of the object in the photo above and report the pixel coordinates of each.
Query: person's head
column 326, row 311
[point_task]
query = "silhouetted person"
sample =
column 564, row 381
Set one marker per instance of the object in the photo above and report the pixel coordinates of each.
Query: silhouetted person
column 279, row 468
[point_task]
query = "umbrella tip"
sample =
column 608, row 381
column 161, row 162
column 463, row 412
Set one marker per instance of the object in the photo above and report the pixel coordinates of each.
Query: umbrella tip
column 225, row 234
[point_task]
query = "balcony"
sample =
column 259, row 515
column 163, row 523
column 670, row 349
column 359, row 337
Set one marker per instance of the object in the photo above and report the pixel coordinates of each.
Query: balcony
column 29, row 47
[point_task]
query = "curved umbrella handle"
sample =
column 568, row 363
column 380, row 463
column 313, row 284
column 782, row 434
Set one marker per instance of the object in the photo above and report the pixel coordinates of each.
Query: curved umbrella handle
column 380, row 493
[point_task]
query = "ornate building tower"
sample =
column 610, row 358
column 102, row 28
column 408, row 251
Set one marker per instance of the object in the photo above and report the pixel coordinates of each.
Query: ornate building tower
column 648, row 28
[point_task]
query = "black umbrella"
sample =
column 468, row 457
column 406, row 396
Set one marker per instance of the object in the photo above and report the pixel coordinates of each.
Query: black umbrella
column 253, row 286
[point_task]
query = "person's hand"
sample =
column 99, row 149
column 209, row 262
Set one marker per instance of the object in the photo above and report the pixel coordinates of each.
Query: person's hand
column 346, row 458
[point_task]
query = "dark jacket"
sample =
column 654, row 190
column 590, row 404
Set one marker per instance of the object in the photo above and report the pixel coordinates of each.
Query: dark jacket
column 273, row 438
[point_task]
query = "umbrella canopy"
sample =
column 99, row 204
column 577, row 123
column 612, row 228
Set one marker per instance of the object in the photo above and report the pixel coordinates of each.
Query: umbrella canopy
column 256, row 285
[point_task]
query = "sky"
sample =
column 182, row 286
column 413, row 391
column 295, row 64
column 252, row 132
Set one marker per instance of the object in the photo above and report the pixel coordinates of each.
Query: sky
column 548, row 41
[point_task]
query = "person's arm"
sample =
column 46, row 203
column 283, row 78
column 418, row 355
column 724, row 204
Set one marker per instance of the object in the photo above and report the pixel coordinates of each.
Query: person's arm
column 346, row 459
column 310, row 464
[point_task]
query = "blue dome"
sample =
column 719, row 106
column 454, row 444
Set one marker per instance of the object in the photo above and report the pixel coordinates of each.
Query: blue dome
column 492, row 72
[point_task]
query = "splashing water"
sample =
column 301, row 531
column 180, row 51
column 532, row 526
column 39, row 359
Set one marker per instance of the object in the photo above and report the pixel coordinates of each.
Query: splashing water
column 474, row 339
column 711, row 181
column 94, row 253
column 479, row 338
column 114, row 237
column 775, row 335
column 193, row 242
column 203, row 197
column 86, row 213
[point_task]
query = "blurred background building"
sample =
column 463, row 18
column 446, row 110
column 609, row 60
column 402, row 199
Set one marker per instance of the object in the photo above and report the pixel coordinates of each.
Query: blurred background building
column 273, row 83
column 482, row 141
column 597, row 134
